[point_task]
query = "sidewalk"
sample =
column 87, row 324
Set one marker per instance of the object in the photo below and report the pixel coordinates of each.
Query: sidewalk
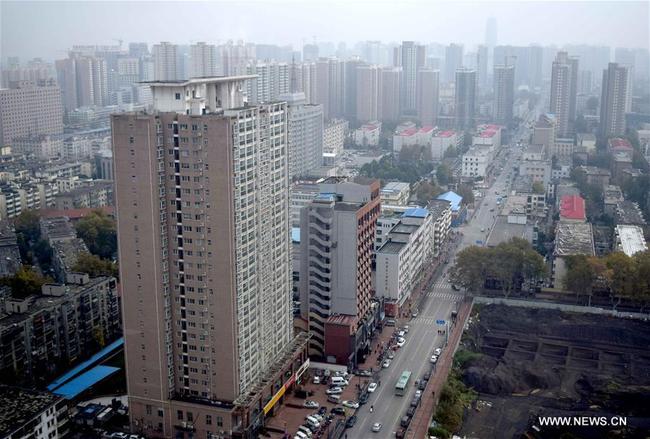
column 419, row 426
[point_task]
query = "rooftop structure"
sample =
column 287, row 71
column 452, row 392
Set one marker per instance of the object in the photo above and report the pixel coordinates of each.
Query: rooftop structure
column 24, row 412
column 629, row 213
column 573, row 239
column 453, row 198
column 572, row 208
column 630, row 239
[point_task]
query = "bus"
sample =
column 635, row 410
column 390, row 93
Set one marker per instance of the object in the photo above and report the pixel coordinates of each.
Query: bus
column 402, row 383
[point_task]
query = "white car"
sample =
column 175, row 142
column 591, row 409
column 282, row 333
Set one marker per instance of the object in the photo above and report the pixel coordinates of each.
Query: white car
column 310, row 404
column 437, row 351
column 376, row 427
column 405, row 328
column 401, row 341
column 334, row 391
column 385, row 364
column 350, row 404
column 391, row 355
column 372, row 387
column 301, row 435
column 418, row 393
column 434, row 359
column 316, row 380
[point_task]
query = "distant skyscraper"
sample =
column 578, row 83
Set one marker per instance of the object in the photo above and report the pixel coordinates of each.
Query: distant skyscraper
column 271, row 82
column 412, row 59
column 202, row 189
column 482, row 66
column 428, row 96
column 350, row 77
column 30, row 109
column 138, row 50
column 564, row 87
column 391, row 88
column 83, row 80
column 504, row 93
column 453, row 61
column 465, row 98
column 330, row 87
column 535, row 66
column 310, row 52
column 203, row 60
column 165, row 61
column 305, row 140
column 491, row 32
column 615, row 90
column 368, row 93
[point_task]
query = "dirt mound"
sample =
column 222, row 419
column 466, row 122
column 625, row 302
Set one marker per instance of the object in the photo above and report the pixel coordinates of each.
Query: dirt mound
column 501, row 377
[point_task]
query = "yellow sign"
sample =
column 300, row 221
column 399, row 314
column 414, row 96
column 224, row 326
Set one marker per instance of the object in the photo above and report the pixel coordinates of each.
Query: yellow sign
column 269, row 405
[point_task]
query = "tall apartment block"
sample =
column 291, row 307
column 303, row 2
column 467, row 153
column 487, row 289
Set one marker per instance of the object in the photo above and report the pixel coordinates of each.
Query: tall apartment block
column 504, row 93
column 83, row 81
column 337, row 235
column 203, row 232
column 465, row 98
column 453, row 61
column 391, row 82
column 330, row 87
column 164, row 61
column 305, row 141
column 613, row 101
column 271, row 82
column 564, row 88
column 368, row 93
column 29, row 109
column 203, row 60
column 428, row 96
column 412, row 59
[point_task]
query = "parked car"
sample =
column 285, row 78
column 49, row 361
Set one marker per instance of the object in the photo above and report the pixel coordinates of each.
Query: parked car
column 372, row 387
column 301, row 435
column 316, row 380
column 422, row 385
column 434, row 359
column 415, row 313
column 401, row 334
column 350, row 404
column 401, row 341
column 349, row 423
column 305, row 430
column 385, row 364
column 376, row 427
column 418, row 393
column 404, row 422
column 364, row 398
column 334, row 391
column 410, row 412
column 415, row 401
column 437, row 351
column 322, row 411
column 311, row 404
column 391, row 355
column 405, row 328
column 338, row 411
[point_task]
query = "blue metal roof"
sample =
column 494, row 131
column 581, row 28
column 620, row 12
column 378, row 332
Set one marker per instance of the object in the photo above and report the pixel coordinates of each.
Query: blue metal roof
column 295, row 234
column 84, row 381
column 453, row 198
column 416, row 212
column 108, row 350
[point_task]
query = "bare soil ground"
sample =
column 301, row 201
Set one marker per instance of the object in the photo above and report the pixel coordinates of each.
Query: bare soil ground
column 538, row 362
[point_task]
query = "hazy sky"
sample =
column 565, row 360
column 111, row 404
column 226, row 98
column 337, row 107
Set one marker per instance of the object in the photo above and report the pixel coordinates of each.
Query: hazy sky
column 48, row 28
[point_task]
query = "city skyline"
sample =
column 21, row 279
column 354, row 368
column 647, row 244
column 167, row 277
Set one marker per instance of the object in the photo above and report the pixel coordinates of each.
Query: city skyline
column 110, row 22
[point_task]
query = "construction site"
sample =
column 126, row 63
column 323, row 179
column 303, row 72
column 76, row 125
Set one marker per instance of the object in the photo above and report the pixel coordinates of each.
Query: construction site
column 528, row 362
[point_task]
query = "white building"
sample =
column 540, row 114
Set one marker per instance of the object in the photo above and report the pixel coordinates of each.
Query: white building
column 476, row 162
column 441, row 141
column 630, row 239
column 407, row 134
column 368, row 134
column 203, row 60
column 305, row 135
column 271, row 82
column 164, row 62
column 334, row 139
column 488, row 135
column 401, row 258
column 395, row 193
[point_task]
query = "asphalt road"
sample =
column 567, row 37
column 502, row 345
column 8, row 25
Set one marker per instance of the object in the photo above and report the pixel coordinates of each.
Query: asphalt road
column 437, row 304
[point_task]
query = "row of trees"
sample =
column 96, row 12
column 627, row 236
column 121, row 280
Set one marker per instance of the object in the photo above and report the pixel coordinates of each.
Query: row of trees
column 624, row 277
column 389, row 168
column 508, row 265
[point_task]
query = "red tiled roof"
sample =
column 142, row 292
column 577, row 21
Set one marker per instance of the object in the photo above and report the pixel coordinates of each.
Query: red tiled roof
column 408, row 132
column 447, row 133
column 487, row 133
column 426, row 129
column 74, row 214
column 572, row 207
column 618, row 143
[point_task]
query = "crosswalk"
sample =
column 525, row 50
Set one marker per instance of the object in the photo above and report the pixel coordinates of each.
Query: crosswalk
column 444, row 295
column 424, row 320
column 441, row 284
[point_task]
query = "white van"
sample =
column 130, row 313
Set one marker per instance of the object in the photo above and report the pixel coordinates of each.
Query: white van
column 338, row 381
column 305, row 430
column 313, row 422
column 335, row 399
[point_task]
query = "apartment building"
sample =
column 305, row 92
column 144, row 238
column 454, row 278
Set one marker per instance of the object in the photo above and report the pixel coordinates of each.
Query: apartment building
column 202, row 197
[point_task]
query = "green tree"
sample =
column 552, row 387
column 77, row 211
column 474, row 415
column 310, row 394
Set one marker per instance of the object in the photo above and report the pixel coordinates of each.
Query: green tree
column 426, row 191
column 471, row 268
column 465, row 191
column 95, row 266
column 450, row 152
column 98, row 231
column 538, row 187
column 25, row 282
column 443, row 174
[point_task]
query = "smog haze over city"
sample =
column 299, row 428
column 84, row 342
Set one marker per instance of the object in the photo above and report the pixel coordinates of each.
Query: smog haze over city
column 362, row 219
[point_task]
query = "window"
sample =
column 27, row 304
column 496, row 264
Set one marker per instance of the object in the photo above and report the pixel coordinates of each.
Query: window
column 178, row 98
column 208, row 419
column 179, row 414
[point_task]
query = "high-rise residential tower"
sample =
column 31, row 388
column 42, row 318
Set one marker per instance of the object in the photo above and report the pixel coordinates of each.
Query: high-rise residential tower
column 391, row 89
column 305, row 140
column 165, row 61
column 465, row 98
column 412, row 58
column 453, row 61
column 564, row 88
column 428, row 96
column 368, row 94
column 203, row 60
column 504, row 93
column 201, row 188
column 615, row 89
